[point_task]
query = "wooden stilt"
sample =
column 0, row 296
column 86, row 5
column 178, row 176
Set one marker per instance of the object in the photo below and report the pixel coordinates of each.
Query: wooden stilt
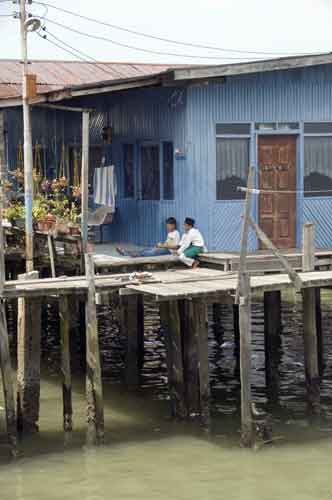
column 7, row 380
column 190, row 348
column 132, row 326
column 321, row 363
column 311, row 350
column 247, row 435
column 94, row 391
column 310, row 325
column 272, row 329
column 52, row 253
column 5, row 361
column 236, row 327
column 171, row 324
column 28, row 360
column 65, row 364
column 200, row 310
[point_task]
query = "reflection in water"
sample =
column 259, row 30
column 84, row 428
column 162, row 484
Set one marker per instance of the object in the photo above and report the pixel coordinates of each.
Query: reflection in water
column 147, row 455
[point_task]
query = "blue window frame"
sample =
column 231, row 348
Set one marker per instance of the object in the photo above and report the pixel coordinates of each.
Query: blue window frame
column 168, row 171
column 129, row 170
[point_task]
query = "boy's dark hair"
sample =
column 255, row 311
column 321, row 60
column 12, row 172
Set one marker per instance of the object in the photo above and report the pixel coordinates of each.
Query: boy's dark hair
column 189, row 221
column 171, row 220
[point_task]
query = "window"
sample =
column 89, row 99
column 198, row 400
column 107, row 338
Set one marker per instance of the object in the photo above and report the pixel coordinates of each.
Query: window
column 150, row 172
column 232, row 167
column 129, row 172
column 318, row 166
column 168, row 171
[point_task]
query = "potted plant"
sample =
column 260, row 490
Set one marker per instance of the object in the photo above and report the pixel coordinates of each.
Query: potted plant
column 74, row 226
column 14, row 213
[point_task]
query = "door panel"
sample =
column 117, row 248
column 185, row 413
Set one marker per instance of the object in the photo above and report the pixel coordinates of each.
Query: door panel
column 277, row 172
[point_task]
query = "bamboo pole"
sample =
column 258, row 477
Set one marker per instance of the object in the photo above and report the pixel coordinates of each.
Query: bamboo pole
column 94, row 390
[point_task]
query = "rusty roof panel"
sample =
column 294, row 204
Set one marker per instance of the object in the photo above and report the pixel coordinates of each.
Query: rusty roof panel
column 55, row 75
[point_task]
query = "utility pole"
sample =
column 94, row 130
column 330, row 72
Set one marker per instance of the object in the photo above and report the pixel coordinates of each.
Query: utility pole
column 28, row 160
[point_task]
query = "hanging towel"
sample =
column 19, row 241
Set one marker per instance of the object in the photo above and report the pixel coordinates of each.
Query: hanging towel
column 104, row 187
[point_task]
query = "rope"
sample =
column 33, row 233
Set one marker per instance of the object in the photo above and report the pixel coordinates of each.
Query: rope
column 274, row 191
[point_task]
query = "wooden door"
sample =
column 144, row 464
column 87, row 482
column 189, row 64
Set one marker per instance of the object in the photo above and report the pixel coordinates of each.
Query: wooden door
column 277, row 172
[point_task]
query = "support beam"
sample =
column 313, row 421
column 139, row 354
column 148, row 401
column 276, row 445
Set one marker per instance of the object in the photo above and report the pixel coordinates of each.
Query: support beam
column 65, row 364
column 201, row 315
column 28, row 360
column 236, row 328
column 5, row 361
column 272, row 330
column 247, row 434
column 171, row 324
column 94, row 391
column 245, row 229
column 310, row 325
column 190, row 354
column 132, row 328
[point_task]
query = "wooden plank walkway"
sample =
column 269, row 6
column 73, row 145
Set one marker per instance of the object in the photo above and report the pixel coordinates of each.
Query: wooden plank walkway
column 264, row 261
column 164, row 285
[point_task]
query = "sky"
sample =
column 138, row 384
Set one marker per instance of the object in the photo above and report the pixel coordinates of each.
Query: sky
column 276, row 26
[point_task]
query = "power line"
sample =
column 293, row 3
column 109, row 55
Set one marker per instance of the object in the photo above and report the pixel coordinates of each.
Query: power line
column 82, row 54
column 149, row 51
column 162, row 39
column 62, row 48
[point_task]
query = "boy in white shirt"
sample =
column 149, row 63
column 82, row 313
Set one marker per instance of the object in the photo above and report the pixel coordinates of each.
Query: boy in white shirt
column 191, row 244
column 172, row 243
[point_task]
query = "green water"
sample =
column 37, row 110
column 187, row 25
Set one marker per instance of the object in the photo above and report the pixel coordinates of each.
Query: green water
column 148, row 456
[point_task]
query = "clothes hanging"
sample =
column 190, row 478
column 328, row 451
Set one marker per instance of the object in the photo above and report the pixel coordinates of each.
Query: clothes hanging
column 105, row 188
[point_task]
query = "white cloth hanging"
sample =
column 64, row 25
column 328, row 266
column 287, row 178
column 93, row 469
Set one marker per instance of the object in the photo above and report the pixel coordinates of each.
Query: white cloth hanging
column 104, row 187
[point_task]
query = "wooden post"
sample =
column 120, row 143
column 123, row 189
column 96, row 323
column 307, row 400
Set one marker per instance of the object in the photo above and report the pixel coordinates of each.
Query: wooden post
column 5, row 361
column 28, row 360
column 85, row 179
column 51, row 251
column 65, row 364
column 310, row 325
column 171, row 323
column 190, row 356
column 245, row 229
column 132, row 327
column 236, row 327
column 200, row 310
column 94, row 391
column 7, row 380
column 247, row 435
column 272, row 329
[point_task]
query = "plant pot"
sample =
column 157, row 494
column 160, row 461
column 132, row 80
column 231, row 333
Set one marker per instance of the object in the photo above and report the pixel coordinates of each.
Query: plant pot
column 62, row 227
column 75, row 230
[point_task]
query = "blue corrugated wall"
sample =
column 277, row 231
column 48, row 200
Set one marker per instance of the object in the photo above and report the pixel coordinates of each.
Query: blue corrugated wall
column 188, row 117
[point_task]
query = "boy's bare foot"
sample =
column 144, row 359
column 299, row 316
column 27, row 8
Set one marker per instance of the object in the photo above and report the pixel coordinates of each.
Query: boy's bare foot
column 195, row 265
column 120, row 250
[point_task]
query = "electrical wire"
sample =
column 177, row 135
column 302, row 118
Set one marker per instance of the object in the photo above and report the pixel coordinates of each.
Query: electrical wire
column 167, row 40
column 274, row 191
column 60, row 47
column 80, row 52
column 149, row 51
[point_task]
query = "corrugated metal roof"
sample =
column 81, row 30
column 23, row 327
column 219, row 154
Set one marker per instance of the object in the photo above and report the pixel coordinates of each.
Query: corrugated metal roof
column 55, row 75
